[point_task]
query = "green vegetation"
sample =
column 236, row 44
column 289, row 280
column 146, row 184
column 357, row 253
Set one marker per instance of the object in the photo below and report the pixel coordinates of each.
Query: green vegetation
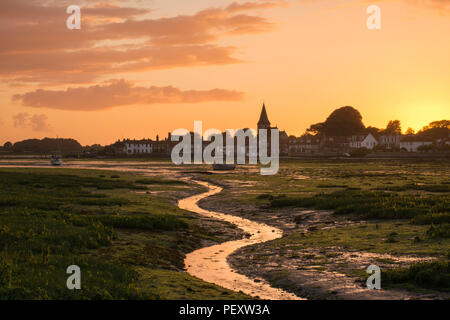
column 406, row 204
column 55, row 218
column 369, row 204
column 128, row 245
column 431, row 275
column 391, row 237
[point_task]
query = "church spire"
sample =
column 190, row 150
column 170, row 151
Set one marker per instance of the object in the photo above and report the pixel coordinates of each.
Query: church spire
column 263, row 119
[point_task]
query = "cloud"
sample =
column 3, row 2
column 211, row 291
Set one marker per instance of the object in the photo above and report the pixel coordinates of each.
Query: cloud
column 437, row 4
column 20, row 120
column 441, row 5
column 37, row 122
column 38, row 48
column 119, row 93
column 86, row 65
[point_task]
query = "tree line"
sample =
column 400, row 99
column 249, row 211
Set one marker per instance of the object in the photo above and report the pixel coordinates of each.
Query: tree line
column 347, row 121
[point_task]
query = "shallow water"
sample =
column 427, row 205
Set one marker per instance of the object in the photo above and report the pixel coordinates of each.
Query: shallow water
column 210, row 263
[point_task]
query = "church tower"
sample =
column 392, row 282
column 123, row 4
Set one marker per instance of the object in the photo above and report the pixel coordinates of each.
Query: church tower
column 263, row 122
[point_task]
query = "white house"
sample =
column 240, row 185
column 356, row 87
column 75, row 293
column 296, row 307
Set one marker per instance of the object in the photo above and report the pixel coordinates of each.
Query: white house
column 389, row 141
column 138, row 147
column 368, row 142
column 413, row 146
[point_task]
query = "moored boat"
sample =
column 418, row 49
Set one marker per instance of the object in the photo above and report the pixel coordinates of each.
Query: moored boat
column 223, row 167
column 55, row 161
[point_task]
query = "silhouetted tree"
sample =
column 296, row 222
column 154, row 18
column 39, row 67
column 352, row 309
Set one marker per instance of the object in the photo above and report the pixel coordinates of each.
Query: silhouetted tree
column 438, row 124
column 7, row 145
column 373, row 130
column 409, row 131
column 393, row 127
column 345, row 121
column 315, row 128
column 435, row 130
column 48, row 145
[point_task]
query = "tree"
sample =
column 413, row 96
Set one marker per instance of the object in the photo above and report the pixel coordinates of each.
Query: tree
column 48, row 145
column 440, row 124
column 345, row 121
column 315, row 128
column 393, row 127
column 372, row 130
column 435, row 130
column 7, row 145
column 409, row 131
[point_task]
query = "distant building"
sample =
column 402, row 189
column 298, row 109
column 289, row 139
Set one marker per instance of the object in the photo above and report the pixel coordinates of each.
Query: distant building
column 390, row 141
column 147, row 146
column 412, row 145
column 363, row 141
column 305, row 144
column 264, row 123
column 138, row 147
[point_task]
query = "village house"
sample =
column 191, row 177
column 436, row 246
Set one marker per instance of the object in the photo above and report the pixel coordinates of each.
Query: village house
column 144, row 146
column 389, row 141
column 305, row 144
column 412, row 145
column 289, row 145
column 363, row 141
column 147, row 146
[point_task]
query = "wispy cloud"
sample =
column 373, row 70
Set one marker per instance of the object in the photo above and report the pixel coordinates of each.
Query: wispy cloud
column 119, row 93
column 441, row 5
column 37, row 122
column 38, row 48
column 20, row 120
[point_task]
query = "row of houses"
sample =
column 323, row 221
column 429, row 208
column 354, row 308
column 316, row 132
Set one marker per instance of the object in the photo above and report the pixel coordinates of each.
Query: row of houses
column 164, row 147
column 291, row 145
column 145, row 146
column 312, row 144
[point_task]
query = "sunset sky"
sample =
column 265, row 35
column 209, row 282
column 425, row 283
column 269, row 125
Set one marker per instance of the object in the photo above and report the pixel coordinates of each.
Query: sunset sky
column 142, row 67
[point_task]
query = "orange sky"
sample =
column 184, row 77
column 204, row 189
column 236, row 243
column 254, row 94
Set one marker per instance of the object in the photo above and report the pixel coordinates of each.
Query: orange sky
column 138, row 68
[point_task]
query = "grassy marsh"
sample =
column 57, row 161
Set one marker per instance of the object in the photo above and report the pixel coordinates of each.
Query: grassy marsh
column 128, row 244
column 404, row 206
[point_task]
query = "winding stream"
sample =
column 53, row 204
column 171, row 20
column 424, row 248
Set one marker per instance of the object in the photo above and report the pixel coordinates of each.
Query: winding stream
column 210, row 263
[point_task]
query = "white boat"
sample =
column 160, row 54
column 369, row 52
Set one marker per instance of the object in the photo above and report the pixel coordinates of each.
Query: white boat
column 55, row 161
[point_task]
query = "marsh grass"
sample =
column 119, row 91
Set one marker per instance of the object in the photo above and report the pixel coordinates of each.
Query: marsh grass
column 373, row 238
column 430, row 275
column 439, row 188
column 369, row 204
column 432, row 218
column 51, row 219
column 406, row 204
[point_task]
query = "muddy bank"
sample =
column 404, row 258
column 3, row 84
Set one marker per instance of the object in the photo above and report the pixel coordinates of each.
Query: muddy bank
column 318, row 273
column 281, row 218
column 313, row 273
